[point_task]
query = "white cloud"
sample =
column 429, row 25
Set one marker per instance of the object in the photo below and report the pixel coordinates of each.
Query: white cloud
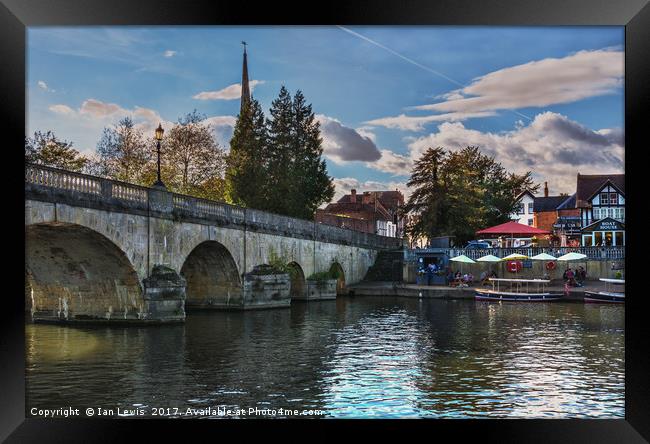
column 416, row 123
column 391, row 162
column 345, row 144
column 41, row 84
column 93, row 115
column 539, row 83
column 62, row 109
column 169, row 53
column 552, row 146
column 230, row 92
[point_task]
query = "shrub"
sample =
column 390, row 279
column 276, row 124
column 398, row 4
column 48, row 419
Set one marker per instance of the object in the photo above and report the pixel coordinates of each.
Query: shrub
column 277, row 265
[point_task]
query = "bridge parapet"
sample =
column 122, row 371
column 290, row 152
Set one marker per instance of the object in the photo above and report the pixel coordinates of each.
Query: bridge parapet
column 67, row 187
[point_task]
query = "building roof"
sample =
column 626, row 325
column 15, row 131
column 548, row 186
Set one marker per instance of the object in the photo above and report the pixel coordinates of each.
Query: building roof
column 520, row 195
column 342, row 208
column 568, row 203
column 385, row 197
column 588, row 184
column 512, row 228
column 549, row 203
column 390, row 199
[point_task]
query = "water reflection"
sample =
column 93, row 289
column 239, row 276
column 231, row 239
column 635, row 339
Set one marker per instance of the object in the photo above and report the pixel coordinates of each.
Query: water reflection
column 362, row 357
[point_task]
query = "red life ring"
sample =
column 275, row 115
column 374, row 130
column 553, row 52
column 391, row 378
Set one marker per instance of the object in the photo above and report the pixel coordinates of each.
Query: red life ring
column 514, row 266
column 550, row 265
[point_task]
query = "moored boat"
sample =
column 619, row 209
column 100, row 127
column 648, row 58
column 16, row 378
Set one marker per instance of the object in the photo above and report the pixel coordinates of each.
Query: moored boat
column 519, row 290
column 608, row 296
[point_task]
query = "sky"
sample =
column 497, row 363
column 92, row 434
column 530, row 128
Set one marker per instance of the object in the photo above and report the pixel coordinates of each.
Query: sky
column 549, row 100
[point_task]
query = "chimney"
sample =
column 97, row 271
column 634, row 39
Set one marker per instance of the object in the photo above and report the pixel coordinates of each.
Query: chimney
column 545, row 189
column 353, row 196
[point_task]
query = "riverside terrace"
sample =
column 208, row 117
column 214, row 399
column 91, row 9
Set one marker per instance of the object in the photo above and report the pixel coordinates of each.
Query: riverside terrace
column 601, row 262
column 103, row 250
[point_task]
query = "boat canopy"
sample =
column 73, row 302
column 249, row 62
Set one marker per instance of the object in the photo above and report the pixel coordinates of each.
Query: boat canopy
column 613, row 281
column 539, row 281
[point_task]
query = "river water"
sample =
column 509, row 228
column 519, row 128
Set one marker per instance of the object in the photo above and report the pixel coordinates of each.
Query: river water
column 360, row 357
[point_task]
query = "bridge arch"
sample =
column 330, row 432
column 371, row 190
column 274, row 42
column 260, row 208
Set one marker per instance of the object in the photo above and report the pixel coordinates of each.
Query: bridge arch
column 212, row 277
column 298, row 284
column 337, row 270
column 75, row 273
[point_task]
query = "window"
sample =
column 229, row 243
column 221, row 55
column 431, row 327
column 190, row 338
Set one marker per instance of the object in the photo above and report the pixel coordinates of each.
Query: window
column 622, row 217
column 613, row 198
column 598, row 239
column 530, row 208
column 604, row 198
column 520, row 209
column 619, row 239
column 530, row 222
column 596, row 213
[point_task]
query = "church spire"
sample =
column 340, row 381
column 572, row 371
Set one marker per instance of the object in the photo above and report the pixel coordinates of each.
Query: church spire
column 245, row 90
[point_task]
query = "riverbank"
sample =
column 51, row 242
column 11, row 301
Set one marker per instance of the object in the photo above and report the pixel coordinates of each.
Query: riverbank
column 401, row 289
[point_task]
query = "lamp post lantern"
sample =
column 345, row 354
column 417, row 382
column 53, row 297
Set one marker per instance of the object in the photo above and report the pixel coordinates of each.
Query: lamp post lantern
column 159, row 135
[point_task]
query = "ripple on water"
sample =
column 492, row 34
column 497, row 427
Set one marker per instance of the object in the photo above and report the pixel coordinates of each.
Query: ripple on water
column 367, row 357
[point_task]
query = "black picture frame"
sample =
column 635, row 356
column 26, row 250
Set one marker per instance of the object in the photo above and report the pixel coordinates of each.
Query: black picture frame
column 16, row 15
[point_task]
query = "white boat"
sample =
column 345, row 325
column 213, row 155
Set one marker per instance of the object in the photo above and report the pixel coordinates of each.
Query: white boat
column 608, row 296
column 518, row 290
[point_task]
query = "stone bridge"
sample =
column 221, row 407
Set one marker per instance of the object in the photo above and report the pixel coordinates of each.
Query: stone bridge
column 95, row 247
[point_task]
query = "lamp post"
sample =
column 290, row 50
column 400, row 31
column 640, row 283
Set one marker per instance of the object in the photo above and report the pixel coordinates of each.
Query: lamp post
column 159, row 135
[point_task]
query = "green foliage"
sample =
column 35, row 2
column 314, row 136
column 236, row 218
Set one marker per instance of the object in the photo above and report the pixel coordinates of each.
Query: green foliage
column 278, row 264
column 276, row 164
column 323, row 276
column 246, row 183
column 46, row 149
column 194, row 162
column 618, row 275
column 459, row 192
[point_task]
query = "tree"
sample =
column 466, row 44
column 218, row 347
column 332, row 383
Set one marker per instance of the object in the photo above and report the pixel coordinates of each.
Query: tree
column 246, row 173
column 280, row 159
column 310, row 186
column 47, row 149
column 427, row 200
column 276, row 164
column 457, row 193
column 124, row 153
column 194, row 162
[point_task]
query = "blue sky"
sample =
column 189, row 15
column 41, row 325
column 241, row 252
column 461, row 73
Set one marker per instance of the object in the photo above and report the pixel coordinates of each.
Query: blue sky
column 546, row 99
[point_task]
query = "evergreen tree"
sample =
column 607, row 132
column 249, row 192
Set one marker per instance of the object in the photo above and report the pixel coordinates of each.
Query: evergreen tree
column 246, row 172
column 281, row 156
column 310, row 186
column 47, row 149
column 426, row 203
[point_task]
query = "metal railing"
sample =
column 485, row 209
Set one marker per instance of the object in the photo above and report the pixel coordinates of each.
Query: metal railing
column 475, row 253
column 139, row 197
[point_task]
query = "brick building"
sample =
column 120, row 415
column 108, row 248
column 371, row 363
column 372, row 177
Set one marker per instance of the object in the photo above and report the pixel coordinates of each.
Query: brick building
column 546, row 212
column 371, row 212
